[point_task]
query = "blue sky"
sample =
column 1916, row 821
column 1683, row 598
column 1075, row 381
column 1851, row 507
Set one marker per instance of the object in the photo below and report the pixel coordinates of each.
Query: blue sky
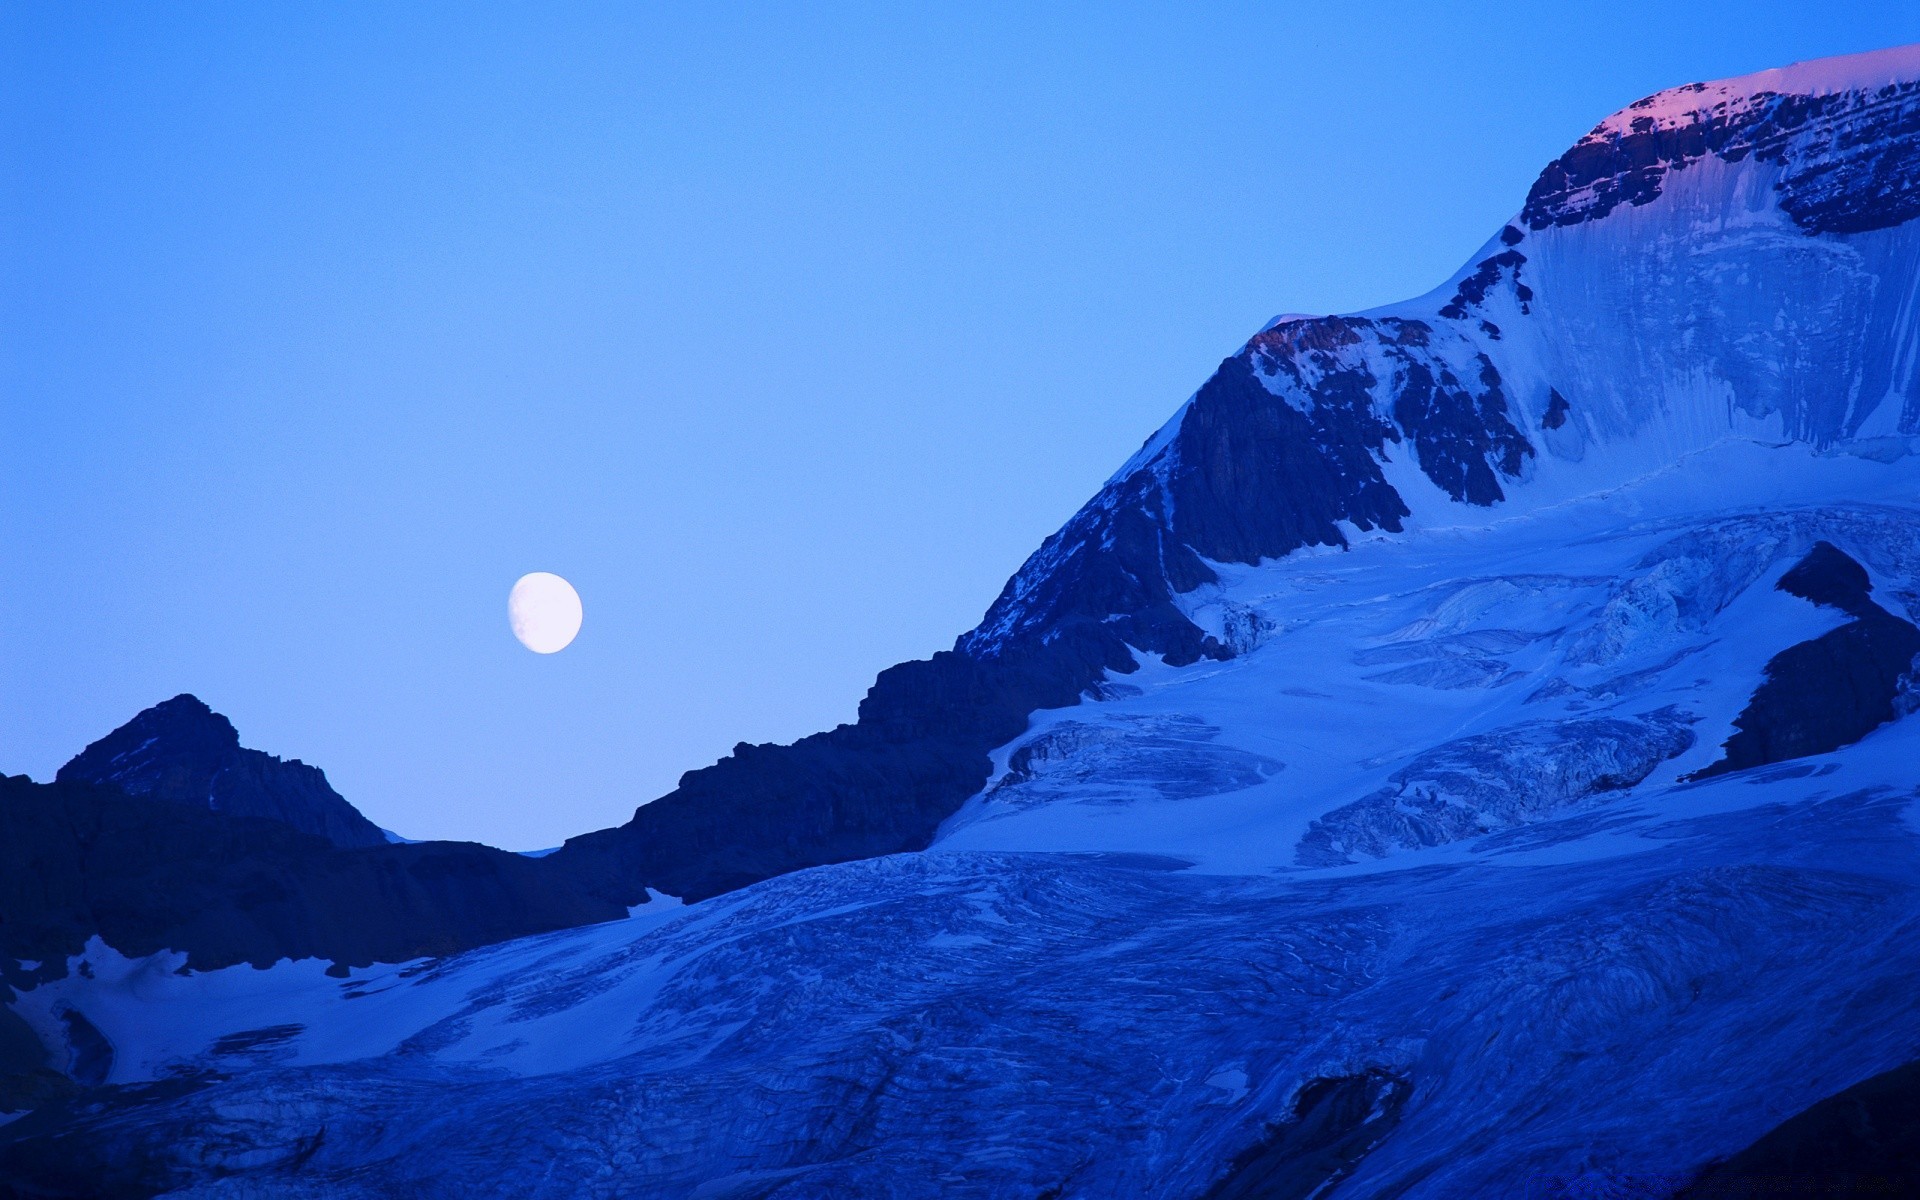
column 784, row 333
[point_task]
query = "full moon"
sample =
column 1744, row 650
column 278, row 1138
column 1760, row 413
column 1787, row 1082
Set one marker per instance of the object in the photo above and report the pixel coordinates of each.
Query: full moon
column 544, row 611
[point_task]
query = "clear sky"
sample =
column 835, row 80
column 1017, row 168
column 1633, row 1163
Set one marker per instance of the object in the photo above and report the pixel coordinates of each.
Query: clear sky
column 784, row 332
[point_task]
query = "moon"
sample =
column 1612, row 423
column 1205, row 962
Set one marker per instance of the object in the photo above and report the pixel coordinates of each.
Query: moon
column 544, row 611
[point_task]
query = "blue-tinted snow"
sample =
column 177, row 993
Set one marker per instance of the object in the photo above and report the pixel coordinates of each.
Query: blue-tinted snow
column 1126, row 958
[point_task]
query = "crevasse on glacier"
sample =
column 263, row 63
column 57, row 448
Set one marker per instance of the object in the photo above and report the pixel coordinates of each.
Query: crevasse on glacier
column 1356, row 798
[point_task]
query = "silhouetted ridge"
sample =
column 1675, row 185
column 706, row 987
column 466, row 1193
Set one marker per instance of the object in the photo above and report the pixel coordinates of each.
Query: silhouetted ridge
column 182, row 752
column 79, row 861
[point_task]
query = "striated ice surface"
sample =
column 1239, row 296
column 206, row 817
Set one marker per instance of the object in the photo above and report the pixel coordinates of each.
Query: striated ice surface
column 1130, row 758
column 1581, row 1003
column 1493, row 781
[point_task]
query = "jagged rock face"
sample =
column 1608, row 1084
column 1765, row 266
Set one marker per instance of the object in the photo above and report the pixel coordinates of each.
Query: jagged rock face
column 182, row 752
column 1277, row 450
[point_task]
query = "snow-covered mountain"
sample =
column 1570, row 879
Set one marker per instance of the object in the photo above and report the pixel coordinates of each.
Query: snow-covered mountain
column 1465, row 752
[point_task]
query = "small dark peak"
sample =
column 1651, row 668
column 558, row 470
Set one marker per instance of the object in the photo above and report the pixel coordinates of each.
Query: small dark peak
column 1490, row 329
column 182, row 752
column 223, row 888
column 162, row 752
column 1827, row 576
column 1512, row 235
column 1557, row 409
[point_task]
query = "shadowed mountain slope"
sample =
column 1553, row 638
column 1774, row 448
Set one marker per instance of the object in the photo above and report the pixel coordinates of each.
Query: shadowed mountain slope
column 1727, row 259
column 78, row 861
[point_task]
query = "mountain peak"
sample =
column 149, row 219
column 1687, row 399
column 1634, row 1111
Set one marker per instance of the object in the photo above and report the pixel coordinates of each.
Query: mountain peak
column 183, row 752
column 1841, row 134
column 1687, row 103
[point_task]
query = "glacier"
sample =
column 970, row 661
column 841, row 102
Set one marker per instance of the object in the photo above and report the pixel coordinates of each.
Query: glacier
column 1371, row 836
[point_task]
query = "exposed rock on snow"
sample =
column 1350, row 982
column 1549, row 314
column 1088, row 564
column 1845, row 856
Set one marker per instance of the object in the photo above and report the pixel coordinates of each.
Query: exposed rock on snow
column 1168, row 756
column 1497, row 780
column 1833, row 690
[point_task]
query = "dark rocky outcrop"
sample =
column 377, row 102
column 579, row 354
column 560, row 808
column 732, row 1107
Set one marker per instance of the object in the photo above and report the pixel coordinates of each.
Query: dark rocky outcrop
column 1334, row 1124
column 27, row 1075
column 78, row 861
column 1831, row 691
column 1864, row 1141
column 1557, row 409
column 182, row 752
column 1251, row 476
column 1829, row 578
column 877, row 787
column 1473, row 290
